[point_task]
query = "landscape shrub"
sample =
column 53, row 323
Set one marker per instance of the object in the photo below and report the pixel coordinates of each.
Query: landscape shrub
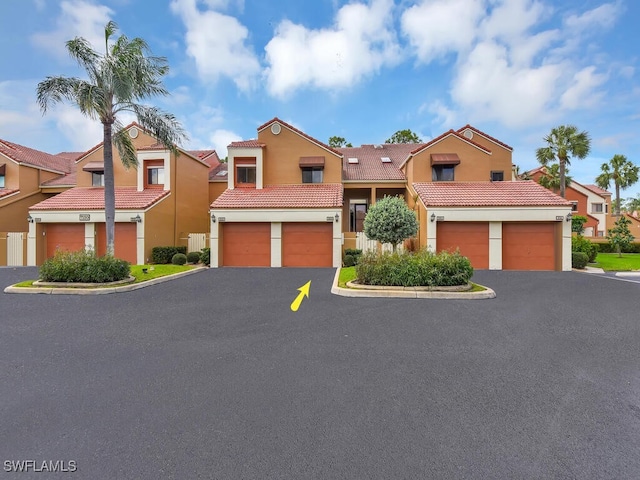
column 406, row 269
column 606, row 248
column 179, row 259
column 356, row 253
column 579, row 260
column 193, row 257
column 349, row 261
column 581, row 244
column 83, row 267
column 205, row 255
column 161, row 255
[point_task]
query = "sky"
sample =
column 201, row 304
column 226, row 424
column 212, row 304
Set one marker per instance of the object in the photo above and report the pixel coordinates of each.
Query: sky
column 359, row 69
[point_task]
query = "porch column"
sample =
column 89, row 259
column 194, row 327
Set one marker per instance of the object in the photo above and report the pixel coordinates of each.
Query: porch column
column 495, row 245
column 373, row 195
column 31, row 245
column 276, row 244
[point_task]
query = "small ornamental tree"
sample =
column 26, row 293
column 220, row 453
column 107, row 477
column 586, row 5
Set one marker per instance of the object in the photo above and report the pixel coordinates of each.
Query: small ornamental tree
column 620, row 236
column 390, row 220
column 577, row 223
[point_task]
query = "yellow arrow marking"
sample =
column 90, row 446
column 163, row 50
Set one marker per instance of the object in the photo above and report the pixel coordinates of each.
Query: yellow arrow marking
column 304, row 292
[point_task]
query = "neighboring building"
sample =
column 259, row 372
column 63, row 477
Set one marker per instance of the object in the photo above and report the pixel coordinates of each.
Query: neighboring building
column 23, row 174
column 291, row 200
column 589, row 201
column 157, row 204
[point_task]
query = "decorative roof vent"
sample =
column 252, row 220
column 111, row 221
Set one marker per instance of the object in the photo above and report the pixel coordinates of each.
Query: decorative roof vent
column 133, row 132
column 468, row 133
column 276, row 128
column 352, row 160
column 385, row 159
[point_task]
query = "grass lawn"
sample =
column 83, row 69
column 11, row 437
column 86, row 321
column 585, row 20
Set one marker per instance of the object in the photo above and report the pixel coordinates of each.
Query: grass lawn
column 611, row 262
column 346, row 275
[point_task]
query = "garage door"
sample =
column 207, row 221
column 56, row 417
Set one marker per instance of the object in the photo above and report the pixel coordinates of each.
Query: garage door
column 307, row 244
column 246, row 244
column 528, row 246
column 125, row 241
column 64, row 236
column 472, row 238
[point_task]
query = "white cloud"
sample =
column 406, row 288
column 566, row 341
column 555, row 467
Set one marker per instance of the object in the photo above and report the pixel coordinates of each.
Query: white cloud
column 603, row 16
column 217, row 43
column 582, row 93
column 444, row 116
column 360, row 43
column 221, row 139
column 438, row 27
column 78, row 18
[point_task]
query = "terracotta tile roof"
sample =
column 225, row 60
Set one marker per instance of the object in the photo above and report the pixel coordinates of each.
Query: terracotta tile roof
column 370, row 165
column 247, row 144
column 34, row 158
column 445, row 135
column 92, row 198
column 597, row 189
column 525, row 193
column 69, row 155
column 6, row 192
column 219, row 174
column 321, row 195
column 154, row 146
column 62, row 181
column 480, row 132
column 210, row 157
column 299, row 132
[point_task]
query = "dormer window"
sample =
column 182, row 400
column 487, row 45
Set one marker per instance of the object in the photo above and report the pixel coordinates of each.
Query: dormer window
column 443, row 165
column 96, row 169
column 154, row 173
column 312, row 169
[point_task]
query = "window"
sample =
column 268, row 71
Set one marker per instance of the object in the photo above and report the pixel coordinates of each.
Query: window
column 596, row 208
column 574, row 206
column 97, row 179
column 155, row 175
column 442, row 173
column 497, row 176
column 357, row 212
column 312, row 174
column 246, row 174
column 606, row 208
column 2, row 181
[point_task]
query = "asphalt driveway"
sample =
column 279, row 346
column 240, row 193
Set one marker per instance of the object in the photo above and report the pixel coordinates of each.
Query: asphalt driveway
column 213, row 376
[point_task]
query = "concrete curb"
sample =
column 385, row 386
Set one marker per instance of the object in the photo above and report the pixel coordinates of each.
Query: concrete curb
column 589, row 270
column 627, row 274
column 100, row 291
column 348, row 292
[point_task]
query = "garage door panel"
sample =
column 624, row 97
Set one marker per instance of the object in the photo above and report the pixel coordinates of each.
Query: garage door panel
column 125, row 241
column 471, row 238
column 64, row 236
column 246, row 244
column 307, row 244
column 528, row 246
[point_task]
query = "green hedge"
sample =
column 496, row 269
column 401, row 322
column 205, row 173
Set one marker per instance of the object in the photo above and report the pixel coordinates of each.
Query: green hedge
column 193, row 257
column 83, row 267
column 351, row 256
column 606, row 248
column 161, row 255
column 407, row 269
column 179, row 259
column 205, row 255
column 579, row 260
column 581, row 244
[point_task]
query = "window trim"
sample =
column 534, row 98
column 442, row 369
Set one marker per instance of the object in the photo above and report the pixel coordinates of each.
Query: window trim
column 442, row 167
column 97, row 174
column 312, row 170
column 153, row 165
column 246, row 167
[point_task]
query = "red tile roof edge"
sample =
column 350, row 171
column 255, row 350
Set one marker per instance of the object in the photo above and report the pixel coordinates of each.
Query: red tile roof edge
column 338, row 187
column 488, row 137
column 596, row 189
column 10, row 146
column 5, row 192
column 300, row 132
column 160, row 195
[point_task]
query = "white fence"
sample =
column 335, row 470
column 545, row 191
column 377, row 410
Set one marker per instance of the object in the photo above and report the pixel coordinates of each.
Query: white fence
column 15, row 249
column 196, row 242
column 365, row 244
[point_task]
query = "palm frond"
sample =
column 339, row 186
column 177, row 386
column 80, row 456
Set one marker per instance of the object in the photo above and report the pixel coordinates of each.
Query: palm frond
column 54, row 90
column 122, row 141
column 162, row 125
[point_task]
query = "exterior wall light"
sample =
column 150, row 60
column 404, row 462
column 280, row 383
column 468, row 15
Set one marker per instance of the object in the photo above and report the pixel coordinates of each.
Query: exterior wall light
column 136, row 219
column 433, row 217
column 569, row 217
column 213, row 218
column 30, row 219
column 337, row 217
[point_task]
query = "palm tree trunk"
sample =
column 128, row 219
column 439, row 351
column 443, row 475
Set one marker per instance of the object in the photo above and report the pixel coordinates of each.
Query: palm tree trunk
column 109, row 189
column 561, row 163
column 617, row 206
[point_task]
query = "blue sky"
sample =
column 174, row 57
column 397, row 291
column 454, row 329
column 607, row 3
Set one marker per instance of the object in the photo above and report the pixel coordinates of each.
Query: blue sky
column 359, row 69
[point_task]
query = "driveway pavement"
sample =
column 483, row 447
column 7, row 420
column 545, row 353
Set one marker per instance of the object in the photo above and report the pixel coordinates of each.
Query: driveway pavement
column 213, row 376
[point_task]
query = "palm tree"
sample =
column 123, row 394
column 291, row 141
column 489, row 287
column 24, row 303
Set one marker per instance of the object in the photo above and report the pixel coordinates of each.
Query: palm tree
column 117, row 81
column 563, row 143
column 633, row 204
column 550, row 178
column 622, row 172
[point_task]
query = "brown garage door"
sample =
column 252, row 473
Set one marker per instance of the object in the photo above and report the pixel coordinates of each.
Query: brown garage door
column 125, row 241
column 64, row 236
column 472, row 238
column 528, row 246
column 246, row 244
column 307, row 244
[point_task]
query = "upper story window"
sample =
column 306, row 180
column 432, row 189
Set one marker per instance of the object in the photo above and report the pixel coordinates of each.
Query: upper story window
column 154, row 173
column 97, row 179
column 245, row 172
column 3, row 167
column 497, row 176
column 574, row 206
column 597, row 208
column 442, row 173
column 312, row 174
